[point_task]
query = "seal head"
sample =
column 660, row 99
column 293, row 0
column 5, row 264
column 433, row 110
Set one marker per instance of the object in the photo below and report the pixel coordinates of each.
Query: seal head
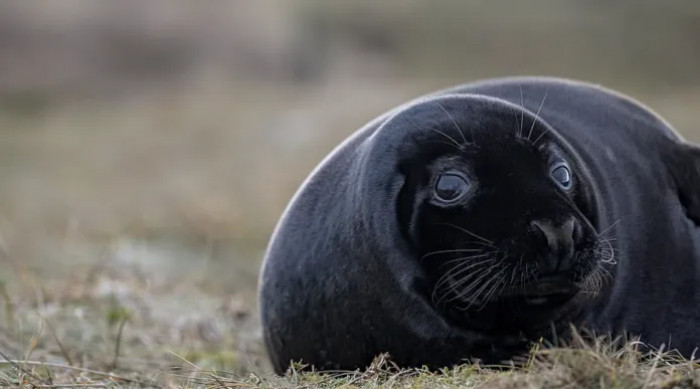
column 502, row 213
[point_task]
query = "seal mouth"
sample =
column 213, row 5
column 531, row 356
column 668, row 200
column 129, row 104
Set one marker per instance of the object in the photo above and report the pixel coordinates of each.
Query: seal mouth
column 547, row 290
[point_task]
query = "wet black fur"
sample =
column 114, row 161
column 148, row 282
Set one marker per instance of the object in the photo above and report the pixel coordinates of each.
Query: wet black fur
column 346, row 274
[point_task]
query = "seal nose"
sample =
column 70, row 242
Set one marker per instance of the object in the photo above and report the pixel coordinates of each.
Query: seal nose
column 560, row 242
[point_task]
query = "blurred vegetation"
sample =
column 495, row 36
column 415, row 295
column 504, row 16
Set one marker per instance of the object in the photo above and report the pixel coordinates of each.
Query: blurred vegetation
column 147, row 149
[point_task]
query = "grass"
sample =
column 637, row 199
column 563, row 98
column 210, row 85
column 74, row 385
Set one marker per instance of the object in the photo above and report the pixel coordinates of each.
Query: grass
column 118, row 326
column 583, row 365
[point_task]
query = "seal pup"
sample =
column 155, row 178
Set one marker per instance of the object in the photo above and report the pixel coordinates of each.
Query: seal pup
column 471, row 221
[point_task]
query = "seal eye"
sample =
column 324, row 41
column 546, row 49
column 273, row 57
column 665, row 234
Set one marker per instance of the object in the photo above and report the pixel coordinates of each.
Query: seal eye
column 450, row 186
column 562, row 175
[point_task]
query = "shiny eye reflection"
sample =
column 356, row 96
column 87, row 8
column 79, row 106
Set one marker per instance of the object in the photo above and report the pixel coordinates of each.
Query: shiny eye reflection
column 450, row 187
column 562, row 175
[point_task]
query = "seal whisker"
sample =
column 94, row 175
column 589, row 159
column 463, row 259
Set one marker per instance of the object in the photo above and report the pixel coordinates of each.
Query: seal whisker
column 513, row 273
column 448, row 137
column 544, row 131
column 501, row 283
column 593, row 284
column 599, row 282
column 478, row 243
column 443, row 143
column 455, row 123
column 495, row 290
column 517, row 124
column 455, row 286
column 453, row 142
column 588, row 285
column 522, row 112
column 485, row 289
column 476, row 287
column 458, row 270
column 537, row 115
column 465, row 259
column 611, row 253
column 605, row 273
column 489, row 242
column 475, row 282
column 530, row 275
column 432, row 253
column 438, row 295
column 523, row 273
column 609, row 227
column 494, row 282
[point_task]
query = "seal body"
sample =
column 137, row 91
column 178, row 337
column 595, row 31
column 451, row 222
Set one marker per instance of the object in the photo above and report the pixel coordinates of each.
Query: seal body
column 469, row 222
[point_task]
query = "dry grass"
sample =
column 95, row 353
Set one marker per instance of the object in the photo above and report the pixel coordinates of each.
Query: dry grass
column 127, row 325
column 597, row 364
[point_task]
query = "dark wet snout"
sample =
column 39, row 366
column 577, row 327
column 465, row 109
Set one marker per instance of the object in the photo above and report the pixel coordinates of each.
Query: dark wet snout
column 559, row 242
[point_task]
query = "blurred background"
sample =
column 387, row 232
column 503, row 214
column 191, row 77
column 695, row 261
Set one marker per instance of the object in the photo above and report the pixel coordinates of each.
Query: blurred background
column 147, row 148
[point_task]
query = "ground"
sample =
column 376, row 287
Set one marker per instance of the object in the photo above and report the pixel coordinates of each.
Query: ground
column 123, row 322
column 126, row 324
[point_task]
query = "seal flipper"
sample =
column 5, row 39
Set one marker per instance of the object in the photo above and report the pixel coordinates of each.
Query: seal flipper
column 685, row 170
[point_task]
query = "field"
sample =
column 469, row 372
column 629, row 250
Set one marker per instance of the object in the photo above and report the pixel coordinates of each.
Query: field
column 146, row 157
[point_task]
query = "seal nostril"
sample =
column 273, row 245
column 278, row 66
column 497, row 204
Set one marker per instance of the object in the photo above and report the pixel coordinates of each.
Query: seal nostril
column 547, row 230
column 560, row 241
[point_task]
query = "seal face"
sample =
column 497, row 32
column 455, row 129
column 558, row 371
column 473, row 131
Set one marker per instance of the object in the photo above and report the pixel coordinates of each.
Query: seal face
column 503, row 218
column 469, row 222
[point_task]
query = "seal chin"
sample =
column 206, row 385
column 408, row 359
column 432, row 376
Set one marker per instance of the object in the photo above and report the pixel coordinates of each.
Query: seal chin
column 549, row 291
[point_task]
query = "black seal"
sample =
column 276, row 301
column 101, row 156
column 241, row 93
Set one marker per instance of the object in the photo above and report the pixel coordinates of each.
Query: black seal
column 469, row 222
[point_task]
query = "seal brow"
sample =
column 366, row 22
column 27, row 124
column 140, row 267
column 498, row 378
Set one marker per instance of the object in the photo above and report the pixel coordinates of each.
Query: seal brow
column 449, row 115
column 537, row 115
column 451, row 139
